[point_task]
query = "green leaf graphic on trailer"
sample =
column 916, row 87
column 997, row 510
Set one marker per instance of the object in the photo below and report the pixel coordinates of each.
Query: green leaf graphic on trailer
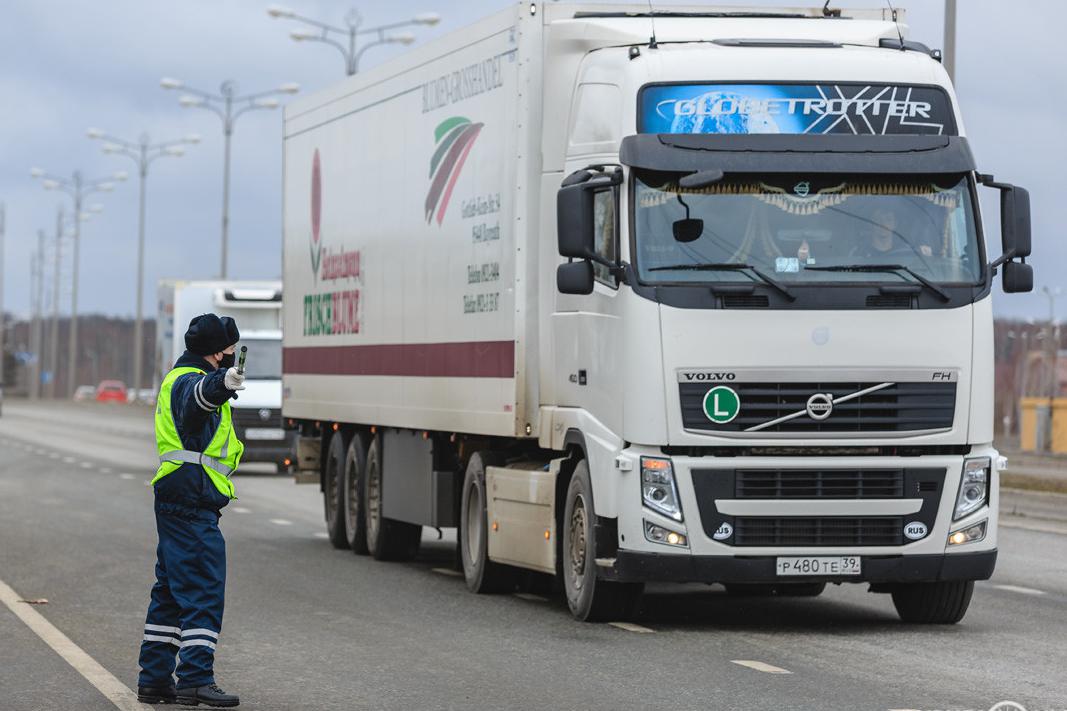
column 454, row 137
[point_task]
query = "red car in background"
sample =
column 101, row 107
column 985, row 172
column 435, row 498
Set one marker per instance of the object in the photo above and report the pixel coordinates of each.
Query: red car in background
column 111, row 391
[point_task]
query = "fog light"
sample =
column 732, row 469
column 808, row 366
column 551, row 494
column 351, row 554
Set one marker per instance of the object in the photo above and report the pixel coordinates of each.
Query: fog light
column 971, row 534
column 659, row 534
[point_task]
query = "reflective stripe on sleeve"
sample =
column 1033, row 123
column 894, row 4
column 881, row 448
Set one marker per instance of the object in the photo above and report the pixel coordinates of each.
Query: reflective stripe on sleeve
column 198, row 393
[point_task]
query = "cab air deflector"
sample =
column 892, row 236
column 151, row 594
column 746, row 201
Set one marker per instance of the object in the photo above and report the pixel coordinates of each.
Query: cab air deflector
column 770, row 153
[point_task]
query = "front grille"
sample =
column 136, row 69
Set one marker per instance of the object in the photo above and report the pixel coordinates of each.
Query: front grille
column 819, row 484
column 900, row 407
column 244, row 417
column 823, row 531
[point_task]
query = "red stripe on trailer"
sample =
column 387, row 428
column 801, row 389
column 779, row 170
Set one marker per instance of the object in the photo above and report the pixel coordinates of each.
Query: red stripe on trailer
column 475, row 359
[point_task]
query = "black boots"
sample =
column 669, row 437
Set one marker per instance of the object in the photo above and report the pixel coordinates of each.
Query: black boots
column 163, row 694
column 210, row 695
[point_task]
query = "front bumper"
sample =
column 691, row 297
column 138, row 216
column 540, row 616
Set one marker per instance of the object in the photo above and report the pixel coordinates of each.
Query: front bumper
column 634, row 566
column 269, row 450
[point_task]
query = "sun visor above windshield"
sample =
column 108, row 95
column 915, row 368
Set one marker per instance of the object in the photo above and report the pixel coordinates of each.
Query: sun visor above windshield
column 840, row 108
column 836, row 153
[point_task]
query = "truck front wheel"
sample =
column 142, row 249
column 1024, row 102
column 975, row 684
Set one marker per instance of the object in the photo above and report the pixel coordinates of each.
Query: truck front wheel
column 387, row 539
column 334, row 491
column 483, row 575
column 589, row 598
column 943, row 603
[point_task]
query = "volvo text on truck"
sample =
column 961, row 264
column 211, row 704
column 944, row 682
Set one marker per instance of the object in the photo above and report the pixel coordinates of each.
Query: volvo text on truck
column 704, row 296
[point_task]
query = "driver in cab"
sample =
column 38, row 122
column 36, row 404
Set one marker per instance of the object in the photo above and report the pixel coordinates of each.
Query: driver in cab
column 880, row 238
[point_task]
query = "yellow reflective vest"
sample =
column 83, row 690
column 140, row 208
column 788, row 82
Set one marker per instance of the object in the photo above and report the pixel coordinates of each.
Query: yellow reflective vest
column 223, row 453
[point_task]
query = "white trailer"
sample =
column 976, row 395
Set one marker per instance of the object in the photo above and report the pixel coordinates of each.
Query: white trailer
column 257, row 308
column 702, row 296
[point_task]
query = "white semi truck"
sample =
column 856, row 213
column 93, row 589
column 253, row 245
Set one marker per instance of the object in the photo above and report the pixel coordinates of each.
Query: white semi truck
column 257, row 308
column 699, row 296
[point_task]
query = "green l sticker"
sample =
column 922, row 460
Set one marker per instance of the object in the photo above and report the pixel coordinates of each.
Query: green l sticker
column 721, row 404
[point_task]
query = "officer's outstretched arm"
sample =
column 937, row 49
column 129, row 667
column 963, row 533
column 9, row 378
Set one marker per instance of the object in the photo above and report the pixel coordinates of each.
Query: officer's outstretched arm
column 196, row 397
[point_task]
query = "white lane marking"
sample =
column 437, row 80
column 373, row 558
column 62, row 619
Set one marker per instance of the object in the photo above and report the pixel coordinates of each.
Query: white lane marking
column 281, row 522
column 631, row 627
column 322, row 534
column 240, row 509
column 760, row 666
column 86, row 465
column 531, row 597
column 105, row 470
column 127, row 477
column 447, row 571
column 1020, row 589
column 105, row 682
column 53, row 455
column 68, row 460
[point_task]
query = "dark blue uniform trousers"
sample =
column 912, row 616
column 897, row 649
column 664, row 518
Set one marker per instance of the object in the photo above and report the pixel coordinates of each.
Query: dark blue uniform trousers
column 185, row 613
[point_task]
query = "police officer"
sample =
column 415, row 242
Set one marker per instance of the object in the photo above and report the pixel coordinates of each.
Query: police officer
column 198, row 452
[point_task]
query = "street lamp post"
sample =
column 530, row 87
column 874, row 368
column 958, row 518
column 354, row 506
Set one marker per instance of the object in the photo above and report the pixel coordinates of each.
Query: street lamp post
column 143, row 152
column 63, row 231
column 353, row 32
column 227, row 105
column 78, row 188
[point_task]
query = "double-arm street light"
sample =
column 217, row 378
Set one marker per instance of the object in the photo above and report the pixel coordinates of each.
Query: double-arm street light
column 143, row 152
column 78, row 188
column 227, row 105
column 353, row 31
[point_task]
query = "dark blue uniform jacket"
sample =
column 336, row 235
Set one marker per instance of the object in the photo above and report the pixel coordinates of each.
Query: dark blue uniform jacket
column 194, row 401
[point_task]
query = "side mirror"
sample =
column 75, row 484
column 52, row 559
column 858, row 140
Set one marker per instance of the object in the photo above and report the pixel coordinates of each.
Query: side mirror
column 575, row 278
column 575, row 215
column 1017, row 278
column 1015, row 221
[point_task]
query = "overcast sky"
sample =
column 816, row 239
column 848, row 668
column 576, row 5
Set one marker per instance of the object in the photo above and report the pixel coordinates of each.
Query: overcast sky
column 66, row 65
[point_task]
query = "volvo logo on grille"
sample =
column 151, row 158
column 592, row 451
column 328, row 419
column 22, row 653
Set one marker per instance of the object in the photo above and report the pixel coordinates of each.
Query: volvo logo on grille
column 264, row 414
column 820, row 405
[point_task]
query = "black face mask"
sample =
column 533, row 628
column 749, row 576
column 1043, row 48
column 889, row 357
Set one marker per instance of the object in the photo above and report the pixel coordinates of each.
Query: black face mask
column 228, row 360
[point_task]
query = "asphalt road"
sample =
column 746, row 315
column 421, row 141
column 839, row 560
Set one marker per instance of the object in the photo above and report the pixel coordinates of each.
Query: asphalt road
column 310, row 627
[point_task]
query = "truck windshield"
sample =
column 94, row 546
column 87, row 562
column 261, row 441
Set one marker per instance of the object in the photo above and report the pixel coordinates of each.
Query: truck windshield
column 804, row 229
column 264, row 360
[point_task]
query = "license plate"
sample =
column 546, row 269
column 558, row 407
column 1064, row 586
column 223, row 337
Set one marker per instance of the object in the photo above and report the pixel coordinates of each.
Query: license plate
column 264, row 433
column 819, row 565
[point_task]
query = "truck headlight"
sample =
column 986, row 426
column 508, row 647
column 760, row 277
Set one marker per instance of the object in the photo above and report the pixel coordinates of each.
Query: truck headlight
column 974, row 487
column 658, row 490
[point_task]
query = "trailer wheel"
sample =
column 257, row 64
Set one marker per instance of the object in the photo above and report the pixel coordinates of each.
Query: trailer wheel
column 386, row 539
column 589, row 598
column 333, row 491
column 943, row 603
column 354, row 504
column 483, row 575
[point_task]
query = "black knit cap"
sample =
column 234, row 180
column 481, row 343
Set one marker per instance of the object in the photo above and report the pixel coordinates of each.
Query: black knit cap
column 208, row 334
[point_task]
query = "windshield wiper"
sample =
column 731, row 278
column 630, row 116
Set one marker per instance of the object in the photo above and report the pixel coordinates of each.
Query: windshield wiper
column 942, row 294
column 729, row 266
